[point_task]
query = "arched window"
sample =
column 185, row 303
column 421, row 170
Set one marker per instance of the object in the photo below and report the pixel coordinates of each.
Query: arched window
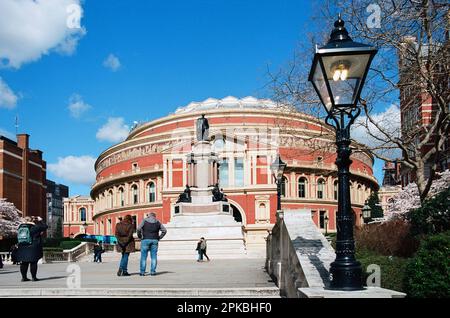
column 151, row 190
column 320, row 189
column 134, row 194
column 302, row 184
column 284, row 183
column 335, row 190
column 360, row 194
column 83, row 214
column 121, row 197
column 111, row 199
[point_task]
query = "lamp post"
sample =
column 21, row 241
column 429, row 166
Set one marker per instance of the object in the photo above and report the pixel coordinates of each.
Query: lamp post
column 366, row 212
column 338, row 73
column 277, row 168
column 326, row 224
column 85, row 226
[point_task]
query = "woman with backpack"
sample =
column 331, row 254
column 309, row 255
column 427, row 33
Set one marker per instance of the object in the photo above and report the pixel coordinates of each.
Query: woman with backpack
column 125, row 241
column 30, row 246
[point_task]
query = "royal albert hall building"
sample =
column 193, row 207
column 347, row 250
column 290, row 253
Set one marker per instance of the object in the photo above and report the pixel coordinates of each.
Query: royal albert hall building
column 147, row 172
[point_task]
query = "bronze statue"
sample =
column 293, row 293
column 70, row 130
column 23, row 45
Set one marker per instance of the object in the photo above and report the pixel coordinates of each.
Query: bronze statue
column 218, row 195
column 185, row 196
column 202, row 129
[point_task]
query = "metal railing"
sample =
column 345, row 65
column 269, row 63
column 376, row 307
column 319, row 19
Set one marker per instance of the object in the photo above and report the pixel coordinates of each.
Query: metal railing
column 74, row 254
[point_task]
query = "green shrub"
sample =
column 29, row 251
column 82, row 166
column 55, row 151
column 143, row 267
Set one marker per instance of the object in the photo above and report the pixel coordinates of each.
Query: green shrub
column 427, row 275
column 68, row 245
column 51, row 242
column 433, row 217
column 392, row 268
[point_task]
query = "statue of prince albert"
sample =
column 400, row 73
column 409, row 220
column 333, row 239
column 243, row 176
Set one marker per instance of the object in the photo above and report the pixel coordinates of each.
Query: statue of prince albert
column 202, row 129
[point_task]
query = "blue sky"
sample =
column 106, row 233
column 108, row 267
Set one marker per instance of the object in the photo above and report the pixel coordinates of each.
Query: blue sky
column 162, row 55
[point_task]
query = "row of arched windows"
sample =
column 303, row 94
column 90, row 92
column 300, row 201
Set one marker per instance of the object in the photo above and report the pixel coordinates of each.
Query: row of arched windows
column 119, row 199
column 358, row 194
column 302, row 188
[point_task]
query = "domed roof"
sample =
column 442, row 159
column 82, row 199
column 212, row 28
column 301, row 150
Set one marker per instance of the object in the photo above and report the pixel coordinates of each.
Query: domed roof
column 227, row 102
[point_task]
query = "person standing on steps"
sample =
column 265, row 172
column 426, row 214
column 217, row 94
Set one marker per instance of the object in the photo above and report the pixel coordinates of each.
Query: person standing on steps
column 30, row 250
column 149, row 233
column 125, row 242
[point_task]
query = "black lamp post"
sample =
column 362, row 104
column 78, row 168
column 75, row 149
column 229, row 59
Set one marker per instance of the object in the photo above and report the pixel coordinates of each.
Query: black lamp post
column 326, row 224
column 277, row 168
column 338, row 73
column 85, row 226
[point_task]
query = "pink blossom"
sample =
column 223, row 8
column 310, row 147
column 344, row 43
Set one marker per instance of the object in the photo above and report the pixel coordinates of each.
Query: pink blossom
column 10, row 219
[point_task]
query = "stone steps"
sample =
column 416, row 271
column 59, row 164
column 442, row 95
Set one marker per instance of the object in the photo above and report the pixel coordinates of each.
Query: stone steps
column 247, row 292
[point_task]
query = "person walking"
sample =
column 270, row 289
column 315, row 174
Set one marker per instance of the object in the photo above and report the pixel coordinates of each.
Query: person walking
column 203, row 247
column 125, row 241
column 199, row 251
column 14, row 254
column 150, row 231
column 100, row 252
column 96, row 251
column 30, row 250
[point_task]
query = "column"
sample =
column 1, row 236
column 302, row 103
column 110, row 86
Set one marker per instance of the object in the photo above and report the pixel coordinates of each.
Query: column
column 158, row 189
column 293, row 179
column 270, row 179
column 170, row 184
column 184, row 172
column 231, row 173
column 165, row 177
column 142, row 190
column 254, row 169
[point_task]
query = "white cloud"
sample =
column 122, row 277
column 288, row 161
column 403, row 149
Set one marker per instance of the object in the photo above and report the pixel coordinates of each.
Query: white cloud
column 7, row 97
column 114, row 130
column 366, row 133
column 30, row 29
column 112, row 62
column 77, row 106
column 7, row 134
column 79, row 170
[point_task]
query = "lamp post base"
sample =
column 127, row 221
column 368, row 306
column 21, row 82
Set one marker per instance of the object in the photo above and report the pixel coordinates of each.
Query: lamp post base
column 346, row 276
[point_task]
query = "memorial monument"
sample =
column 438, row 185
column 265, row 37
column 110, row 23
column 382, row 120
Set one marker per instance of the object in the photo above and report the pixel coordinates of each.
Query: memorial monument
column 202, row 210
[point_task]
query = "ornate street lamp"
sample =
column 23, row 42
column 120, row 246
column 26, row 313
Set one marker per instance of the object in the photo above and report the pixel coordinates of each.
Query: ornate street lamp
column 338, row 73
column 326, row 224
column 366, row 212
column 277, row 168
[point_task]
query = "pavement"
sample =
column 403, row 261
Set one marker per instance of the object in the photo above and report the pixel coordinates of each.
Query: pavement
column 245, row 277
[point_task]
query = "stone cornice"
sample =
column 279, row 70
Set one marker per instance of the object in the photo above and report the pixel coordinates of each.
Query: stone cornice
column 157, row 204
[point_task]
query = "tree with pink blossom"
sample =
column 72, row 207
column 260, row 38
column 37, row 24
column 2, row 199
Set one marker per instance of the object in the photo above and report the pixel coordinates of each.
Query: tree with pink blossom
column 10, row 219
column 409, row 199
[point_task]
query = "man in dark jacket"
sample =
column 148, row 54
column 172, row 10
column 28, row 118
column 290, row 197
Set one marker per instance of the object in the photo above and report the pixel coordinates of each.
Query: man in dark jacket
column 30, row 253
column 125, row 241
column 149, row 233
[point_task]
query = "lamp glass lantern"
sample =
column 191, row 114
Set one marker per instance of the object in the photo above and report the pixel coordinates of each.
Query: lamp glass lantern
column 278, row 167
column 85, row 226
column 340, row 68
column 366, row 211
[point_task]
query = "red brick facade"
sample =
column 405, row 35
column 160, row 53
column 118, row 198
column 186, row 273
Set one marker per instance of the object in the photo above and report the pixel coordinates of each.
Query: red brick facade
column 23, row 176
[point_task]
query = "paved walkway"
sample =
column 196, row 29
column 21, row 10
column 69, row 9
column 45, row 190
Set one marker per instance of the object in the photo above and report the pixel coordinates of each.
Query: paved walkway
column 219, row 274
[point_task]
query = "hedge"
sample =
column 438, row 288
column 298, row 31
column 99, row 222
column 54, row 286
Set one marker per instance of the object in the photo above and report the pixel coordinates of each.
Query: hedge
column 427, row 275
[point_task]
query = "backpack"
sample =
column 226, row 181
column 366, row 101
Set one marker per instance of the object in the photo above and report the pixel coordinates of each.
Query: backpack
column 24, row 236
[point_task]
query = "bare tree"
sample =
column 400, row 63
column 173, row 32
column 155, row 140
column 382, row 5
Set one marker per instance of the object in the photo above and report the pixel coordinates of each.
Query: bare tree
column 410, row 69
